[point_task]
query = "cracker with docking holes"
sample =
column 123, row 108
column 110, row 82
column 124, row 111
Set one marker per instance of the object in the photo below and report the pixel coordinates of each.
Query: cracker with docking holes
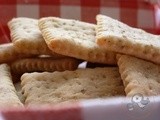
column 8, row 53
column 8, row 96
column 121, row 38
column 43, row 64
column 75, row 39
column 57, row 87
column 27, row 37
column 139, row 76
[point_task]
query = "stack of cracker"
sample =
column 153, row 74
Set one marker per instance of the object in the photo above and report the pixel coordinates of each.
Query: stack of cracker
column 140, row 55
column 46, row 53
column 28, row 40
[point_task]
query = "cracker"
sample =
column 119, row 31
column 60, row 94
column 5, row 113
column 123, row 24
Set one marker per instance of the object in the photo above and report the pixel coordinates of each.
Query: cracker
column 27, row 37
column 8, row 53
column 75, row 39
column 8, row 97
column 58, row 87
column 139, row 76
column 43, row 64
column 121, row 38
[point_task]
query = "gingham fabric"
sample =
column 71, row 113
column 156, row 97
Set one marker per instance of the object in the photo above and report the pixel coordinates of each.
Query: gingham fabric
column 137, row 13
column 96, row 109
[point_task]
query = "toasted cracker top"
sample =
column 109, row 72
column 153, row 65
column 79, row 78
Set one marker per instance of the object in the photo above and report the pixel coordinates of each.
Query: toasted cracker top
column 108, row 27
column 74, row 38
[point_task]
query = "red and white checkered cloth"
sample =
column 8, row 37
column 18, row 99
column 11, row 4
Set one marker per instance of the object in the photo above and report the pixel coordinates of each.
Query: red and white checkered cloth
column 95, row 109
column 137, row 13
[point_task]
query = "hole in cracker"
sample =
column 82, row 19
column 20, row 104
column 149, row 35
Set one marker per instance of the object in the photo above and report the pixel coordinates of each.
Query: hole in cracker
column 83, row 91
column 150, row 87
column 83, row 28
column 73, row 23
column 65, row 78
column 103, row 76
column 22, row 92
column 120, row 41
column 146, row 76
column 78, row 83
column 92, row 78
column 109, row 42
column 154, row 54
column 56, row 25
column 29, row 89
column 158, row 80
column 64, row 23
column 122, row 31
column 123, row 46
column 67, row 30
column 28, row 31
column 24, row 27
column 148, row 67
column 47, row 86
column 145, row 52
column 96, row 86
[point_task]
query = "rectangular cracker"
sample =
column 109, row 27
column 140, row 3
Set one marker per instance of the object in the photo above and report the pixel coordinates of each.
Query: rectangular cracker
column 42, row 64
column 58, row 87
column 8, row 97
column 75, row 39
column 27, row 37
column 121, row 38
column 8, row 53
column 139, row 76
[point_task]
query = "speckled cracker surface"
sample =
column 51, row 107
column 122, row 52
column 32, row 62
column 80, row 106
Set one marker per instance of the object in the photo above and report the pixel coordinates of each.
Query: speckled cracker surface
column 74, row 38
column 8, row 96
column 139, row 76
column 58, row 87
column 27, row 37
column 121, row 38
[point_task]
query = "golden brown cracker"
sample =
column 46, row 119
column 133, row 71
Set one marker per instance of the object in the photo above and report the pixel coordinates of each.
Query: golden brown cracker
column 121, row 38
column 42, row 64
column 27, row 37
column 139, row 76
column 75, row 39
